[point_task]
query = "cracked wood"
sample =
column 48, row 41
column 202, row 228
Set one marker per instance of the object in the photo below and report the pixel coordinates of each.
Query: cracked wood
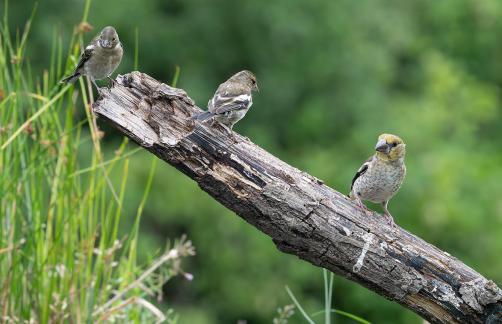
column 300, row 213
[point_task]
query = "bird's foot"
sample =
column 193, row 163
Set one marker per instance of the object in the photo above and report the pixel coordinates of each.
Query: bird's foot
column 112, row 82
column 362, row 207
column 234, row 138
column 98, row 89
column 390, row 221
column 230, row 133
column 367, row 211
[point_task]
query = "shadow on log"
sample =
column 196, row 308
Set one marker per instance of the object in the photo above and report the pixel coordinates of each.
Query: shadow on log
column 300, row 213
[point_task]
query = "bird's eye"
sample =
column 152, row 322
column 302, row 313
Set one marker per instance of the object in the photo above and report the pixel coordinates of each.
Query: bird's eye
column 113, row 39
column 394, row 144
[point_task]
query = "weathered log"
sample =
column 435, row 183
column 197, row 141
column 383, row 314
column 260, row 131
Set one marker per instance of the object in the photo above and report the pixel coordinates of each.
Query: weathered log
column 300, row 213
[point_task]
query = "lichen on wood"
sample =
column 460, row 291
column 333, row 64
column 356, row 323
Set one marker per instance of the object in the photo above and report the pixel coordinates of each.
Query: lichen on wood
column 301, row 214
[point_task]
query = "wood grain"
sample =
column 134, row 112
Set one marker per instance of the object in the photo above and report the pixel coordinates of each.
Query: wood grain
column 299, row 212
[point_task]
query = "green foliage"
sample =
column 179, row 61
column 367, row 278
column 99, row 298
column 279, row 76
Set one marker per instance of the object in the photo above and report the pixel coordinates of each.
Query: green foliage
column 333, row 75
column 327, row 311
column 61, row 255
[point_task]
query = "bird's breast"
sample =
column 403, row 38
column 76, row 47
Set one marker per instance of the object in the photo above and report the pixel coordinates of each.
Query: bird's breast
column 103, row 62
column 380, row 182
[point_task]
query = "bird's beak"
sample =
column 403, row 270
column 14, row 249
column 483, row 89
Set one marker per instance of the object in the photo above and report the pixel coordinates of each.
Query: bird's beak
column 382, row 146
column 256, row 88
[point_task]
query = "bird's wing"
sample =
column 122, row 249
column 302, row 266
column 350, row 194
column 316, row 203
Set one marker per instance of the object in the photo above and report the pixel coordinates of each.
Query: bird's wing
column 86, row 55
column 222, row 103
column 361, row 171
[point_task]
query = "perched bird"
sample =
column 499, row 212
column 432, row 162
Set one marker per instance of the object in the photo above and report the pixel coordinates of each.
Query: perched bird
column 232, row 100
column 381, row 176
column 100, row 58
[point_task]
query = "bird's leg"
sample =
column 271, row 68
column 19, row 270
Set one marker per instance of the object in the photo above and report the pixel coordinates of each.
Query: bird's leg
column 231, row 133
column 96, row 85
column 387, row 214
column 361, row 205
column 112, row 82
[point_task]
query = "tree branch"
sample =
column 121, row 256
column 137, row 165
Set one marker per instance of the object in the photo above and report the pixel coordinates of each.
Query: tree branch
column 303, row 216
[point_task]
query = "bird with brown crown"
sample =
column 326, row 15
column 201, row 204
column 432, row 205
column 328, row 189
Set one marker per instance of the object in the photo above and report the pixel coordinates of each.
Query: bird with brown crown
column 231, row 101
column 100, row 58
column 381, row 176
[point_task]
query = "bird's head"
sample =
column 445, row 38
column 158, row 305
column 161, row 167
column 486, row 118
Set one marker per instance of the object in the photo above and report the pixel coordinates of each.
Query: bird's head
column 108, row 38
column 390, row 147
column 246, row 77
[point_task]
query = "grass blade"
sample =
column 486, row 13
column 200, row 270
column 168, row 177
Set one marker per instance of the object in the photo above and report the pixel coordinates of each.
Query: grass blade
column 300, row 308
column 346, row 314
column 35, row 116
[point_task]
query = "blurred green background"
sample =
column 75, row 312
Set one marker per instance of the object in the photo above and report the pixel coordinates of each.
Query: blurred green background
column 333, row 75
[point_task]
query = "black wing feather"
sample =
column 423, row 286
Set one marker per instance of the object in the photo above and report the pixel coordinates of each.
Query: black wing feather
column 361, row 171
column 86, row 55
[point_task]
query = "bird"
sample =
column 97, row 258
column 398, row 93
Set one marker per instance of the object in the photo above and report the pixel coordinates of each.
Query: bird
column 100, row 58
column 381, row 176
column 232, row 100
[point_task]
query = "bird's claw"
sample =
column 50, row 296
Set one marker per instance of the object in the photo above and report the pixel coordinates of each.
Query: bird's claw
column 233, row 137
column 367, row 211
column 231, row 134
column 112, row 82
column 390, row 221
column 362, row 207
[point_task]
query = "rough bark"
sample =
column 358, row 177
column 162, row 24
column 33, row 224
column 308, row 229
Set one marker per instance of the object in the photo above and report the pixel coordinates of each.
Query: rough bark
column 300, row 213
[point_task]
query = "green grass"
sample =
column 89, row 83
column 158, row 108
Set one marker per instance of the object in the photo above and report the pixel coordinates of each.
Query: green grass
column 62, row 258
column 328, row 300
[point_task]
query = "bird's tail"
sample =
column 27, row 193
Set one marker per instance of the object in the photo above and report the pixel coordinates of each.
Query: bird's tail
column 71, row 78
column 202, row 116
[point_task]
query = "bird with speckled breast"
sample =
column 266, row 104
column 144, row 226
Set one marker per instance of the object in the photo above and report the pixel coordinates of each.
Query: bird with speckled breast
column 381, row 176
column 232, row 100
column 100, row 58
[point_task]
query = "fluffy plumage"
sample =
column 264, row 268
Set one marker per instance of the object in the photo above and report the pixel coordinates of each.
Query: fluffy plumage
column 381, row 176
column 232, row 99
column 100, row 58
